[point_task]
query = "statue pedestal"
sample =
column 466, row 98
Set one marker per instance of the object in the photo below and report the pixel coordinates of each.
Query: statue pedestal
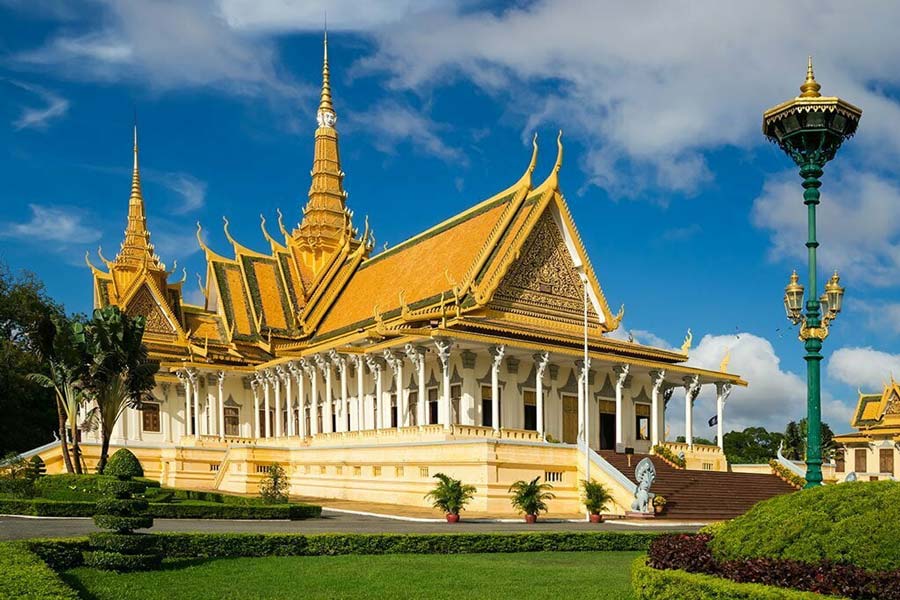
column 639, row 515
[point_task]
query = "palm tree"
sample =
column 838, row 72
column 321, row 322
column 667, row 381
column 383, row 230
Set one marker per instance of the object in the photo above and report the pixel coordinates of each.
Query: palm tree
column 59, row 346
column 119, row 374
column 450, row 495
column 531, row 497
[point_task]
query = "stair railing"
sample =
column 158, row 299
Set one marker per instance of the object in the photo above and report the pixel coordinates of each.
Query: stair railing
column 605, row 466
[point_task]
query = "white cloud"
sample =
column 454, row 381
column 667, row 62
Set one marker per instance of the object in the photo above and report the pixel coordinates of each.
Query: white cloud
column 640, row 336
column 773, row 397
column 165, row 45
column 191, row 190
column 391, row 124
column 61, row 224
column 55, row 107
column 649, row 88
column 288, row 15
column 865, row 368
column 858, row 224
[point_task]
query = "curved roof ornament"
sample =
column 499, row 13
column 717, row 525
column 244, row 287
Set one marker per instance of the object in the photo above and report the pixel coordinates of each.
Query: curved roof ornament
column 552, row 181
column 108, row 263
column 284, row 231
column 275, row 244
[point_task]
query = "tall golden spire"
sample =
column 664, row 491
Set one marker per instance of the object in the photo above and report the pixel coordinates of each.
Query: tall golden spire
column 136, row 248
column 810, row 87
column 326, row 221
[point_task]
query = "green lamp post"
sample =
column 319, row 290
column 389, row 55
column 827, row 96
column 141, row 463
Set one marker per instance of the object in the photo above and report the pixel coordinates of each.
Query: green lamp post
column 810, row 128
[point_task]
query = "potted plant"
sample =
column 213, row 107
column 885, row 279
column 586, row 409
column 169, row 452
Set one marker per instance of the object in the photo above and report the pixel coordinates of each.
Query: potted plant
column 530, row 498
column 659, row 504
column 450, row 496
column 595, row 498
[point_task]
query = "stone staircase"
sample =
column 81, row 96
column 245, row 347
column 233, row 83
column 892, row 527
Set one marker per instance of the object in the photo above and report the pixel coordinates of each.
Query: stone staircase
column 702, row 495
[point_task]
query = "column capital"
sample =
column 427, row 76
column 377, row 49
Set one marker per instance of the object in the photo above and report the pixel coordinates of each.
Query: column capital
column 338, row 360
column 394, row 361
column 374, row 363
column 541, row 360
column 656, row 379
column 621, row 372
column 723, row 390
column 691, row 387
column 415, row 354
column 192, row 375
column 582, row 365
column 323, row 364
column 496, row 353
column 443, row 346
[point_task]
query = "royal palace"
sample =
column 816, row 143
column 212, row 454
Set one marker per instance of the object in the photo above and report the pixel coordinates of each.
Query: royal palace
column 480, row 347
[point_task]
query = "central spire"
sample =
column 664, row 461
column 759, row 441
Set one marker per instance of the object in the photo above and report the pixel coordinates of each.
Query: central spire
column 136, row 250
column 326, row 220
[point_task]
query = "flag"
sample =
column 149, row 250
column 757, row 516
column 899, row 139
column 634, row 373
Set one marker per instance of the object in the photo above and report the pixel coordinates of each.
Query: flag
column 714, row 420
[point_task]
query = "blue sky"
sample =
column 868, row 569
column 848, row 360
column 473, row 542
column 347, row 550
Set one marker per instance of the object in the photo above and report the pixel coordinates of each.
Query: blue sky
column 691, row 218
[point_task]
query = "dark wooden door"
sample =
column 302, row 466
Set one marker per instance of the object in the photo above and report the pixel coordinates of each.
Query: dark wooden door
column 859, row 460
column 886, row 460
column 570, row 419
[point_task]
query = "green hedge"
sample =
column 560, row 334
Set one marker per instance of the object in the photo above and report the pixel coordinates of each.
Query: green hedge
column 39, row 507
column 653, row 584
column 24, row 576
column 114, row 561
column 70, row 487
column 852, row 523
column 235, row 545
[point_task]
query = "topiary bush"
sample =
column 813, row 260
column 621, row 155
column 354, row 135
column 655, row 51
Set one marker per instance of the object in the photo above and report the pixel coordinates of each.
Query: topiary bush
column 121, row 512
column 274, row 488
column 855, row 523
column 124, row 465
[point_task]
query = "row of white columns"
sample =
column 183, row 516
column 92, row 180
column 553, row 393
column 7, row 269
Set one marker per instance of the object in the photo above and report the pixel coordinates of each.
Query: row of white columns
column 193, row 425
column 691, row 391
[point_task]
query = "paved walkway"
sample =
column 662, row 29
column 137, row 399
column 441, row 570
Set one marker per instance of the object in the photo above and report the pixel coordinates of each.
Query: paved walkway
column 12, row 528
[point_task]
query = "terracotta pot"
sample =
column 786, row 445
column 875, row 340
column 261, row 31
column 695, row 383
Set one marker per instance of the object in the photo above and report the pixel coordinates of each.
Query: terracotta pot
column 451, row 518
column 530, row 518
column 596, row 518
column 658, row 508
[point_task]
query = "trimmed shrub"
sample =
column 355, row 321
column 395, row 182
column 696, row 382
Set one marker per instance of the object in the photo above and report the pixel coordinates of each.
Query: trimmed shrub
column 38, row 507
column 853, row 523
column 233, row 545
column 687, row 552
column 68, row 486
column 121, row 507
column 24, row 575
column 116, row 561
column 17, row 488
column 118, row 488
column 139, row 543
column 124, row 465
column 653, row 584
column 59, row 554
column 36, row 467
column 123, row 524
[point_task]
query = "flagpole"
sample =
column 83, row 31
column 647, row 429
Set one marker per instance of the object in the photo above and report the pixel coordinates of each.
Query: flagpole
column 587, row 404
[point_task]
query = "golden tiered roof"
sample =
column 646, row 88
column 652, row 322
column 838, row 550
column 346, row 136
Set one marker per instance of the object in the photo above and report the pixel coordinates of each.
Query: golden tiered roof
column 510, row 269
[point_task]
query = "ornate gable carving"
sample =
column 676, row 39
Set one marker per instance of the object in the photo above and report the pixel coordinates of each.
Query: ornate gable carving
column 143, row 303
column 893, row 404
column 543, row 282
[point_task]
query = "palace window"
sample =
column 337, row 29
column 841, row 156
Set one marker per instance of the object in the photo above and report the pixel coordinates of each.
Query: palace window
column 839, row 461
column 150, row 417
column 455, row 395
column 486, row 412
column 859, row 460
column 413, row 407
column 529, row 398
column 432, row 405
column 395, row 403
column 232, row 421
column 642, row 421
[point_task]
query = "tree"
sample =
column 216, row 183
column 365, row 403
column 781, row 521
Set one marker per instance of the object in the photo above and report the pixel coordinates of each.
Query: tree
column 753, row 445
column 62, row 348
column 697, row 440
column 119, row 373
column 30, row 413
column 828, row 444
column 795, row 440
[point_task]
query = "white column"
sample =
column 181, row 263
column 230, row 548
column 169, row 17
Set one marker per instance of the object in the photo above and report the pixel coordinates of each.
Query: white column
column 301, row 400
column 186, row 383
column 656, row 380
column 378, row 405
column 340, row 363
column 220, row 405
column 443, row 352
column 289, row 397
column 691, row 389
column 255, row 382
column 360, row 382
column 327, row 406
column 194, row 421
column 165, row 416
column 723, row 389
column 496, row 358
column 417, row 357
column 313, row 399
column 621, row 372
column 395, row 362
column 267, row 388
column 277, row 375
column 584, row 422
column 541, row 361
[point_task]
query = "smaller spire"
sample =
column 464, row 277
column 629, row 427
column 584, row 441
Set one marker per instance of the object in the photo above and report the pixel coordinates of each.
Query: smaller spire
column 136, row 195
column 810, row 87
column 326, row 116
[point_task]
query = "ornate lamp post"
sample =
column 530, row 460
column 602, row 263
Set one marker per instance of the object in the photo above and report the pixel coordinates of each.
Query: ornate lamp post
column 810, row 128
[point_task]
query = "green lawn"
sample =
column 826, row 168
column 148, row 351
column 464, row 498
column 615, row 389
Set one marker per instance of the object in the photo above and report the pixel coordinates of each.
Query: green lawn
column 523, row 575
